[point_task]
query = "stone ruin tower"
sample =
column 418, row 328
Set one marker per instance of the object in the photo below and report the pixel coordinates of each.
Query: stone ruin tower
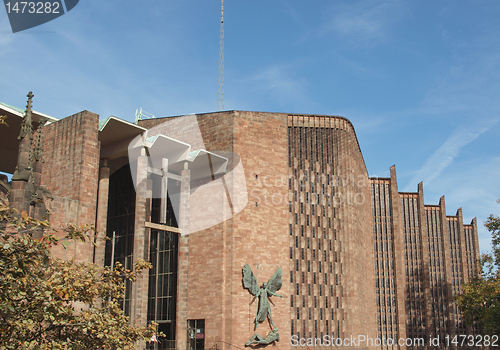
column 27, row 192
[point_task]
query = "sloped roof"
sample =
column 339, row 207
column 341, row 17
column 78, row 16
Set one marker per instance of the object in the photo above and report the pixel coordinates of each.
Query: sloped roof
column 9, row 144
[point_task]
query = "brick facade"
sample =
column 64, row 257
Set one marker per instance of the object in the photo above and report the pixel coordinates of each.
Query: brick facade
column 358, row 257
column 70, row 171
column 422, row 258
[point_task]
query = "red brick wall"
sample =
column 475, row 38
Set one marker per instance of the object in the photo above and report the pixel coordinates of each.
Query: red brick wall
column 256, row 235
column 356, row 229
column 70, row 170
column 342, row 237
column 261, row 230
column 259, row 234
column 210, row 252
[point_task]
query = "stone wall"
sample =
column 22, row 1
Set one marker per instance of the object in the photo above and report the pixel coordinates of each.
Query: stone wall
column 70, row 171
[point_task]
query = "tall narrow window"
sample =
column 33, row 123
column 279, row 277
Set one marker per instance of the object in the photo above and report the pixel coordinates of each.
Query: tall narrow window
column 163, row 285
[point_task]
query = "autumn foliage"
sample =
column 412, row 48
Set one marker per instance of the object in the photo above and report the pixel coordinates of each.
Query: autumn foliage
column 48, row 303
column 480, row 300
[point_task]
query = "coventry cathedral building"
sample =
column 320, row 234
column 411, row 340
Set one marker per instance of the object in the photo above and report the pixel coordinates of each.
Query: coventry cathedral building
column 263, row 229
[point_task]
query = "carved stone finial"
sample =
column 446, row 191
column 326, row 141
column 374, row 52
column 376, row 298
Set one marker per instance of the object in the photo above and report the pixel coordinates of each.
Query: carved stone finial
column 31, row 156
column 25, row 154
column 26, row 126
column 38, row 151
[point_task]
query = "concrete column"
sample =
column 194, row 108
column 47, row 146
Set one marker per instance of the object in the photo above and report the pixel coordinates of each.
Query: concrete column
column 183, row 261
column 164, row 186
column 102, row 212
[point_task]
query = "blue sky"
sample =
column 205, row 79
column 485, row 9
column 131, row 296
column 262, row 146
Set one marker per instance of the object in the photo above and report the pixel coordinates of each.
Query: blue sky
column 420, row 80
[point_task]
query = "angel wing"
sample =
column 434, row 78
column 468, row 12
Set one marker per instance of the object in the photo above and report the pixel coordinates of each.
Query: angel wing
column 275, row 282
column 249, row 280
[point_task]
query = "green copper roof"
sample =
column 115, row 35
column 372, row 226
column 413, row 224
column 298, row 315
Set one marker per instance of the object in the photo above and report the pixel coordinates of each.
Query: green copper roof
column 102, row 122
column 12, row 107
column 21, row 112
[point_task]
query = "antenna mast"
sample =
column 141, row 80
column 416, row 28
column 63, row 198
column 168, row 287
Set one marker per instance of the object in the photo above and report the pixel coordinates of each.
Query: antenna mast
column 220, row 89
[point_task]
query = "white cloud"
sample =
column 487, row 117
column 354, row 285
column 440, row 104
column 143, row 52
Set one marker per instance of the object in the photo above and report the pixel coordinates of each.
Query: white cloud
column 364, row 22
column 5, row 40
column 470, row 78
column 473, row 185
column 447, row 152
column 280, row 82
column 277, row 78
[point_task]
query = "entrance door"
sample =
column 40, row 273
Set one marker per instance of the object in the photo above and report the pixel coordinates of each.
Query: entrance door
column 196, row 334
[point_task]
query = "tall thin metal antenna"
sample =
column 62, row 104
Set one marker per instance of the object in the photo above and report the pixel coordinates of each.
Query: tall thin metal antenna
column 220, row 89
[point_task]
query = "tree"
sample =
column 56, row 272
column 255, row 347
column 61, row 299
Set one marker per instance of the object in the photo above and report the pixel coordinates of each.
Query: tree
column 39, row 294
column 480, row 300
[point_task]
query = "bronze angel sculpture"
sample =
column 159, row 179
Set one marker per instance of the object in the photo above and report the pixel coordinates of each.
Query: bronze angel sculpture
column 263, row 293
